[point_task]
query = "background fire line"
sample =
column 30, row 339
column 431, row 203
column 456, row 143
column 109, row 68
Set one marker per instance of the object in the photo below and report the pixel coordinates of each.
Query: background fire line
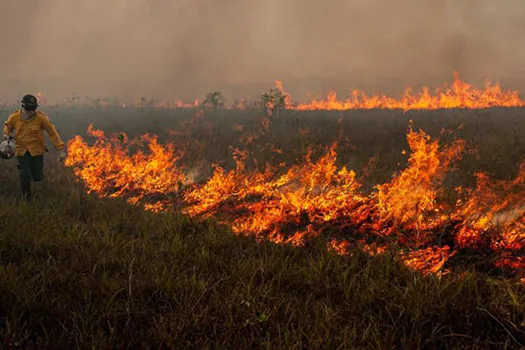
column 293, row 204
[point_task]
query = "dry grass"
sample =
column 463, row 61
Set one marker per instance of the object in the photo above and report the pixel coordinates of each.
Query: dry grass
column 77, row 271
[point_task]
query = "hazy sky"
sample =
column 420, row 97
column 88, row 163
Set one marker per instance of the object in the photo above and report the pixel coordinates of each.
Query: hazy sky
column 185, row 48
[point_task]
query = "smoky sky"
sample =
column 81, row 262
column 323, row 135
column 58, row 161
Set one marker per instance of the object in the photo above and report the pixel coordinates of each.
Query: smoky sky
column 186, row 48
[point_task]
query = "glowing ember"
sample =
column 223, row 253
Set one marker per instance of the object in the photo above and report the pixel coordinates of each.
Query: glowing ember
column 429, row 260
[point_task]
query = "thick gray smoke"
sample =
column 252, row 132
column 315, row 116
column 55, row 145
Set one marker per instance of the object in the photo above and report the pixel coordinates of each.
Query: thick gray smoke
column 186, row 48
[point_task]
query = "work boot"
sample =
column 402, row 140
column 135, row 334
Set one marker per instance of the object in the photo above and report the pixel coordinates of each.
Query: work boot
column 25, row 186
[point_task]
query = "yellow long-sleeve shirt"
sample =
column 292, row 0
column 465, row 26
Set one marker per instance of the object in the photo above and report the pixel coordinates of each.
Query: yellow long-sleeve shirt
column 29, row 133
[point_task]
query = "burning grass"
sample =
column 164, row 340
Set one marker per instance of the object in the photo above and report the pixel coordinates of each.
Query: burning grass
column 77, row 269
column 317, row 198
column 459, row 94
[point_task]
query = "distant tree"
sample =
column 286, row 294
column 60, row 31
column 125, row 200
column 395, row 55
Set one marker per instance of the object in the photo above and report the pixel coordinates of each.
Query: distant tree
column 214, row 101
column 274, row 100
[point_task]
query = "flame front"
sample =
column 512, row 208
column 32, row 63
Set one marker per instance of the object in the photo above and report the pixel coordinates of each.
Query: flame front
column 459, row 94
column 293, row 205
column 410, row 200
column 109, row 169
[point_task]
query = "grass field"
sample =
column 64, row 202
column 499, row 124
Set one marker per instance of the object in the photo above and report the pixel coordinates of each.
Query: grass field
column 80, row 271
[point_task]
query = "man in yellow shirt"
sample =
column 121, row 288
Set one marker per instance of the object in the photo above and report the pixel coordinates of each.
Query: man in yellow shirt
column 28, row 125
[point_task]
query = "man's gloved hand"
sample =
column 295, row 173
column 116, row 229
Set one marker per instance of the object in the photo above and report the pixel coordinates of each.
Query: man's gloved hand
column 62, row 155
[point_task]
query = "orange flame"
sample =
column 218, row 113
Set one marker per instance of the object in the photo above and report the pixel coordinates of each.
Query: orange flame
column 458, row 95
column 318, row 198
column 410, row 199
column 109, row 169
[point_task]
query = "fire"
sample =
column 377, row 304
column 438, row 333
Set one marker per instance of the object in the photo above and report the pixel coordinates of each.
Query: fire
column 41, row 98
column 178, row 104
column 490, row 207
column 410, row 199
column 430, row 260
column 459, row 95
column 317, row 198
column 109, row 169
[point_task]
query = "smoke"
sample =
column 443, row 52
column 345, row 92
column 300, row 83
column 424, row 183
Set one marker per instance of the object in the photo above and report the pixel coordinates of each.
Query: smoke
column 186, row 48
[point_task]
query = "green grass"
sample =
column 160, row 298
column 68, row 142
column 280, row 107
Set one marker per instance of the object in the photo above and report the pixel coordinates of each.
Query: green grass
column 77, row 271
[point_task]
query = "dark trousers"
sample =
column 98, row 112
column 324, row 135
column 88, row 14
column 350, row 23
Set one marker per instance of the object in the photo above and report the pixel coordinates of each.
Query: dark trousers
column 29, row 168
